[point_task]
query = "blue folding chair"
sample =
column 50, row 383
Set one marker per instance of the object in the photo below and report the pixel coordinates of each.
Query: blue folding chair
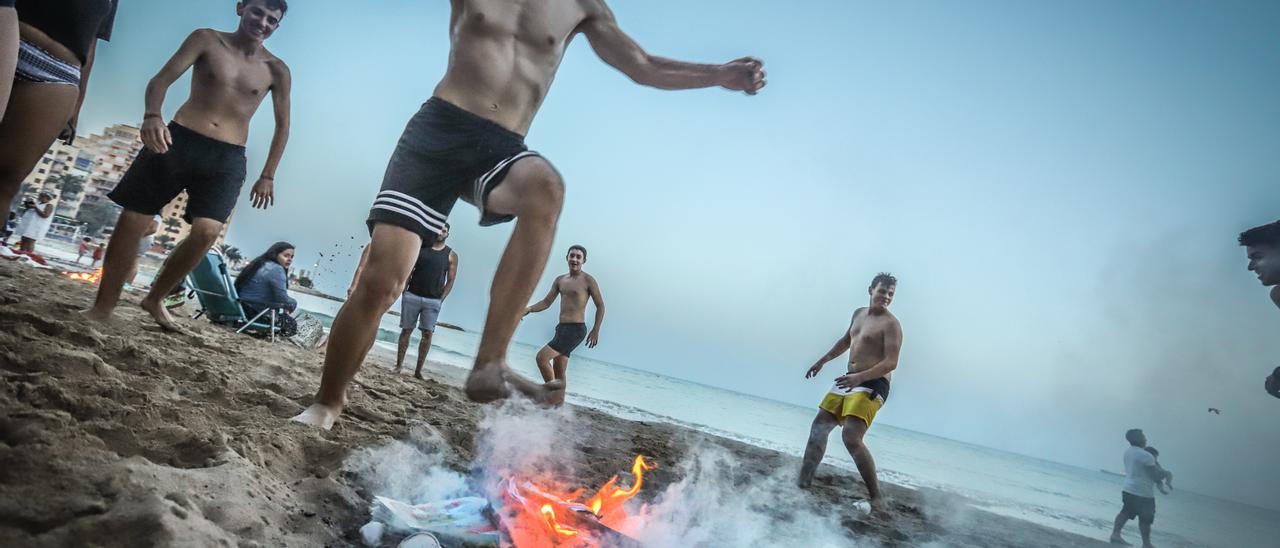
column 216, row 292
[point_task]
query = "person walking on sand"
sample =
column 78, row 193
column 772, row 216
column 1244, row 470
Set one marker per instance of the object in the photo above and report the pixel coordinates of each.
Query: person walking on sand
column 97, row 255
column 429, row 285
column 576, row 287
column 1137, row 495
column 468, row 141
column 201, row 151
column 874, row 340
column 83, row 249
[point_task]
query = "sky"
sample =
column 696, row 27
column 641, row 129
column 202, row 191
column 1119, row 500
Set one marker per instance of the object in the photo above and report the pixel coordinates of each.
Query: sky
column 1057, row 186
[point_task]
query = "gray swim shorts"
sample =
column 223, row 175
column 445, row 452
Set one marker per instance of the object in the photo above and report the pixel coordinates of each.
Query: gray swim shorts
column 418, row 311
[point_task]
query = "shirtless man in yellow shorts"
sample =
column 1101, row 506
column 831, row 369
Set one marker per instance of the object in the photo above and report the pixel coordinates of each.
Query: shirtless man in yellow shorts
column 874, row 339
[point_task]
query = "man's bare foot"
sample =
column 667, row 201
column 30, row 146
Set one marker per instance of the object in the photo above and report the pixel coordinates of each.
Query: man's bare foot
column 418, row 375
column 494, row 382
column 161, row 315
column 319, row 415
column 95, row 315
column 1115, row 539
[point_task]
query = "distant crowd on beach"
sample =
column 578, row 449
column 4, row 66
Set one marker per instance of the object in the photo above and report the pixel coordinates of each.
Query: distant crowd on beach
column 467, row 141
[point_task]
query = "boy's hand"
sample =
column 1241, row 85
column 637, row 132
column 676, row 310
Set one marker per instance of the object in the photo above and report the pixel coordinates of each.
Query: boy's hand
column 155, row 135
column 263, row 194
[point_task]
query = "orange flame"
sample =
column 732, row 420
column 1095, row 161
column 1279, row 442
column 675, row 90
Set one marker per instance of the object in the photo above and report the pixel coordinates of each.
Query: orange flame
column 608, row 501
column 549, row 514
column 91, row 277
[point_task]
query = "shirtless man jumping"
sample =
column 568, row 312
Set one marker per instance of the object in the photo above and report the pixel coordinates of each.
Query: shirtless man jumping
column 874, row 339
column 468, row 141
column 576, row 287
column 201, row 151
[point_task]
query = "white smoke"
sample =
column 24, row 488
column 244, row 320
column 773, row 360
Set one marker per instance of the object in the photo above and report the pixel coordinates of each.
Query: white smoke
column 410, row 470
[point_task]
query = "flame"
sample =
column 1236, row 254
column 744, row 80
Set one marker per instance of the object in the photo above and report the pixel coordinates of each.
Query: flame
column 91, row 277
column 542, row 517
column 549, row 514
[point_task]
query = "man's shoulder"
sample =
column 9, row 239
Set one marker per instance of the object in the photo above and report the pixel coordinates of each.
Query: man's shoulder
column 205, row 36
column 1275, row 295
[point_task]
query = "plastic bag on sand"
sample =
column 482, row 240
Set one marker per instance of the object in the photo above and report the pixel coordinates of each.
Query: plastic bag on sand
column 463, row 518
column 310, row 331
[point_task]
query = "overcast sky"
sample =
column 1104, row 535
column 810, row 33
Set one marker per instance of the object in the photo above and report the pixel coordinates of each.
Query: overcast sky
column 1058, row 187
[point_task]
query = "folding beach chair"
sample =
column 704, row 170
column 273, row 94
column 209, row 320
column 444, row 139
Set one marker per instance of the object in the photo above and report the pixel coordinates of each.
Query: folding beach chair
column 219, row 302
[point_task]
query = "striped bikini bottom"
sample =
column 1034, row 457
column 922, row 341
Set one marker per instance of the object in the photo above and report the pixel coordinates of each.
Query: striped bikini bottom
column 41, row 67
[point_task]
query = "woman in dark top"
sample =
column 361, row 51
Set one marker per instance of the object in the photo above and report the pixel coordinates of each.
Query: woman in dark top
column 264, row 285
column 58, row 39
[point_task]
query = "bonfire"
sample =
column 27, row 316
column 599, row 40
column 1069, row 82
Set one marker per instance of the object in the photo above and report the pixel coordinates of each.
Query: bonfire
column 536, row 517
column 91, row 277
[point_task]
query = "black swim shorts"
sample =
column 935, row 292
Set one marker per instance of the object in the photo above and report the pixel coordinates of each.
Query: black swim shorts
column 568, row 337
column 445, row 153
column 210, row 170
column 1143, row 508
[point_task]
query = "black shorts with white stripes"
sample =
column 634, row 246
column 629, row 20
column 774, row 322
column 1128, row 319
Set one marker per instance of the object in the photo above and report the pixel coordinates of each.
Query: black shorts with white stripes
column 445, row 153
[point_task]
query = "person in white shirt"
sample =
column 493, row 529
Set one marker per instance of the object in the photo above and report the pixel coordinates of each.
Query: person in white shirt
column 35, row 222
column 1138, row 493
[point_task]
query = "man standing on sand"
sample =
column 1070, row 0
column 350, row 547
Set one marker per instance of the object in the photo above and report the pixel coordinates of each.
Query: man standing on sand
column 874, row 340
column 1262, row 245
column 468, row 141
column 576, row 287
column 201, row 151
column 1138, row 494
column 429, row 285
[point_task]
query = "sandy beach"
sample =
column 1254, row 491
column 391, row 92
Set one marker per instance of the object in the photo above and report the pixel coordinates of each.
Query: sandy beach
column 121, row 435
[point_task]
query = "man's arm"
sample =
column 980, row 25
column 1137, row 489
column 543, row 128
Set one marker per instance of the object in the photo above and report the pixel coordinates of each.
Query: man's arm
column 621, row 52
column 46, row 212
column 68, row 135
column 545, row 303
column 892, row 347
column 154, row 132
column 452, row 275
column 263, row 193
column 593, row 289
column 841, row 346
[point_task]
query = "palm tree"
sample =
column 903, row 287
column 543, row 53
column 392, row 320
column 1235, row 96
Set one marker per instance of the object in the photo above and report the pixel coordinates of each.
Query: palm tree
column 231, row 253
column 172, row 223
column 69, row 186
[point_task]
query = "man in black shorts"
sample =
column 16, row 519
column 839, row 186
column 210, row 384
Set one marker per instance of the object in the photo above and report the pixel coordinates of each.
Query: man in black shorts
column 468, row 141
column 576, row 287
column 201, row 151
column 1137, row 496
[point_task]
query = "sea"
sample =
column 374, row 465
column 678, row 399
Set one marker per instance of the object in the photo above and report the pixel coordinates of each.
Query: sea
column 1056, row 495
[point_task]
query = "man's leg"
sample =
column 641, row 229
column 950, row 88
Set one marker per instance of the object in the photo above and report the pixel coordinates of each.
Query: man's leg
column 182, row 260
column 402, row 347
column 534, row 193
column 424, row 347
column 561, row 366
column 1121, row 519
column 8, row 57
column 1144, row 527
column 544, row 358
column 854, row 429
column 392, row 253
column 816, row 447
column 27, row 244
column 120, row 262
column 36, row 114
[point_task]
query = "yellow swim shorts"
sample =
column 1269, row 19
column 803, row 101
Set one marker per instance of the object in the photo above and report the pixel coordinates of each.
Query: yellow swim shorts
column 862, row 402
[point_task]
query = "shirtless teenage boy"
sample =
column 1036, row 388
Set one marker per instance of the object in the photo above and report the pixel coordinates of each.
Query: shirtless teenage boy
column 874, row 339
column 201, row 151
column 468, row 141
column 576, row 287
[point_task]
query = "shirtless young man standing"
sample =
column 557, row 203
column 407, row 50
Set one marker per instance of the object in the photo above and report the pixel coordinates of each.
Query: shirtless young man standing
column 468, row 141
column 874, row 339
column 201, row 151
column 576, row 287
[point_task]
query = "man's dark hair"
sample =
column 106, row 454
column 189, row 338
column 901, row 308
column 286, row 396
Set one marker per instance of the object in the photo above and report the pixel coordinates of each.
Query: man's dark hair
column 1133, row 435
column 579, row 248
column 281, row 5
column 86, row 238
column 1268, row 234
column 883, row 278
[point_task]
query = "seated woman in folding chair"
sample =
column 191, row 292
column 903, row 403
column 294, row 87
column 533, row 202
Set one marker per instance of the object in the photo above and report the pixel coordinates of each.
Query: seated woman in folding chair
column 264, row 285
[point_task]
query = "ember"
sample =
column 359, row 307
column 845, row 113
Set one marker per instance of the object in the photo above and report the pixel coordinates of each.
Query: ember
column 91, row 277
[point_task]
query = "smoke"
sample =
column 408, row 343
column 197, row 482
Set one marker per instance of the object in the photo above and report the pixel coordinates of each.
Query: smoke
column 410, row 470
column 719, row 502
